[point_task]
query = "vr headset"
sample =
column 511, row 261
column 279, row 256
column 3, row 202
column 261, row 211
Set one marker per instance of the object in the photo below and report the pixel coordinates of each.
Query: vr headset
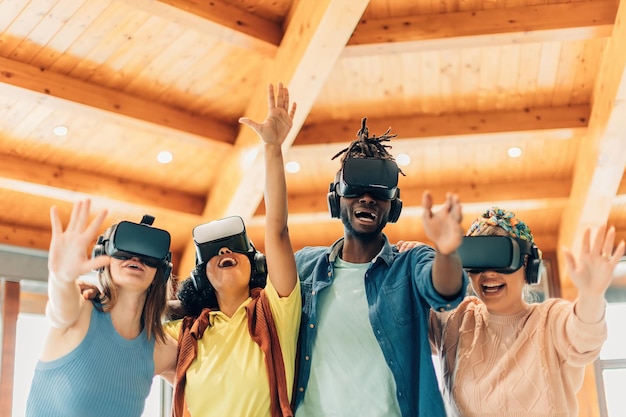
column 228, row 232
column 359, row 176
column 378, row 177
column 502, row 254
column 131, row 240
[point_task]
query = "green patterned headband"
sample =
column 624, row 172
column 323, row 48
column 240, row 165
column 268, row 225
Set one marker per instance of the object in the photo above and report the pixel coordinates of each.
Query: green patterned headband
column 504, row 219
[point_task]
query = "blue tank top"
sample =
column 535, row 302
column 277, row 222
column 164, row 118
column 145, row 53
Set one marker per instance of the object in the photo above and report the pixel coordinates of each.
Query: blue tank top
column 104, row 376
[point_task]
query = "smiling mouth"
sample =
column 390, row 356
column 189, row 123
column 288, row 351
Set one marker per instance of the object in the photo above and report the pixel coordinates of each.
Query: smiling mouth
column 365, row 215
column 227, row 263
column 492, row 288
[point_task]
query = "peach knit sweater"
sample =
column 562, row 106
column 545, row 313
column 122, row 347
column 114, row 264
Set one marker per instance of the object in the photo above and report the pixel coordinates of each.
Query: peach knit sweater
column 530, row 364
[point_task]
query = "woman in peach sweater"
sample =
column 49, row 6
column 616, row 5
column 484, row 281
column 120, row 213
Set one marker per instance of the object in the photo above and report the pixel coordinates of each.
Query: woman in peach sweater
column 503, row 357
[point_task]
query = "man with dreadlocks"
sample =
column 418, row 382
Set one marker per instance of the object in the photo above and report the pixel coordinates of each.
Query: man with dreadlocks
column 364, row 346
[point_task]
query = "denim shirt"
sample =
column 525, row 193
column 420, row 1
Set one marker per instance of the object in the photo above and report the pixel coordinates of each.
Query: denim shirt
column 400, row 294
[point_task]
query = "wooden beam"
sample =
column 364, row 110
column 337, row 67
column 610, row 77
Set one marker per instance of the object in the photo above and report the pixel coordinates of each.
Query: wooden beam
column 537, row 190
column 21, row 174
column 481, row 28
column 179, row 224
column 562, row 119
column 62, row 92
column 599, row 169
column 601, row 157
column 9, row 309
column 316, row 35
column 25, row 237
column 218, row 19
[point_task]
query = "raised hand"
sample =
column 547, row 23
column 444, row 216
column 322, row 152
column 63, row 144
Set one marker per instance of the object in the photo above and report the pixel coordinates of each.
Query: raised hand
column 279, row 118
column 443, row 227
column 592, row 272
column 68, row 258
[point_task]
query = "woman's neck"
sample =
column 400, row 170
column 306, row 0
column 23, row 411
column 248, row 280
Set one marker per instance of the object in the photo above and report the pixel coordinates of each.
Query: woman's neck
column 126, row 315
column 230, row 303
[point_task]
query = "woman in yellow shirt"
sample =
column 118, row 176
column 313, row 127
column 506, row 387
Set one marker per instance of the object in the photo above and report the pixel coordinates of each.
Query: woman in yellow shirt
column 237, row 346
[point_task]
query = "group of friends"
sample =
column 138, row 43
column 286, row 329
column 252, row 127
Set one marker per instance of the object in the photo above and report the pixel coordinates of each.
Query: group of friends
column 345, row 330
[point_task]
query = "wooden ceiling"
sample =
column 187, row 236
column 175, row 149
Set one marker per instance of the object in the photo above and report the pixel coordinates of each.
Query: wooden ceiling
column 460, row 82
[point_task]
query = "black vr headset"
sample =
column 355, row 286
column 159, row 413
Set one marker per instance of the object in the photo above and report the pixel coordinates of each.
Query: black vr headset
column 502, row 254
column 228, row 232
column 359, row 176
column 131, row 240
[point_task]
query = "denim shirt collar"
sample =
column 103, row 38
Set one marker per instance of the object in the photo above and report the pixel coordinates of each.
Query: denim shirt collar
column 385, row 254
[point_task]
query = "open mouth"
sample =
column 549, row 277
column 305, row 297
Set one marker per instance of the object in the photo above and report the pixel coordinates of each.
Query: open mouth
column 492, row 287
column 366, row 216
column 227, row 262
column 134, row 265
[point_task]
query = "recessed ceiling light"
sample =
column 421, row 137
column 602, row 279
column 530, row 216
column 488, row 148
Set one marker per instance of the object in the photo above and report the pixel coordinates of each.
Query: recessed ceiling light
column 403, row 159
column 60, row 130
column 165, row 157
column 514, row 152
column 292, row 167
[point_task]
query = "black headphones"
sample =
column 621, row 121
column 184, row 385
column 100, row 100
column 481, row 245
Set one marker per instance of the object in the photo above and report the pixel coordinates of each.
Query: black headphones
column 533, row 266
column 335, row 210
column 258, row 273
column 98, row 249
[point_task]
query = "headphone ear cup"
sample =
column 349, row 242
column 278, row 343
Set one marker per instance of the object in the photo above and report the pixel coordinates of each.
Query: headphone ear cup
column 533, row 269
column 198, row 278
column 258, row 278
column 167, row 271
column 97, row 250
column 333, row 202
column 395, row 210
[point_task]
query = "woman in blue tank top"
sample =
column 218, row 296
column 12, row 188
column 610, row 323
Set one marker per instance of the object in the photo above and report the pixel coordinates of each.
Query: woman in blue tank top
column 100, row 356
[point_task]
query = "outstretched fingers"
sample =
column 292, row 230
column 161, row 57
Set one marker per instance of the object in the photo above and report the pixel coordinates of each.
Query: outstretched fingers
column 55, row 221
column 95, row 224
column 271, row 97
column 609, row 250
column 427, row 204
column 292, row 112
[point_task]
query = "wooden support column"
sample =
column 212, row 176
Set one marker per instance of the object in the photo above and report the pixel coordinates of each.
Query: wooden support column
column 9, row 309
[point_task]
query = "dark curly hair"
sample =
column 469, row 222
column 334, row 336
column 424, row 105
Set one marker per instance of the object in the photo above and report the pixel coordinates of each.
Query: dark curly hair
column 193, row 299
column 368, row 147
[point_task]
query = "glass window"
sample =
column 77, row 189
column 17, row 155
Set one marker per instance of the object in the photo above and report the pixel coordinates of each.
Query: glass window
column 615, row 345
column 611, row 367
column 614, row 380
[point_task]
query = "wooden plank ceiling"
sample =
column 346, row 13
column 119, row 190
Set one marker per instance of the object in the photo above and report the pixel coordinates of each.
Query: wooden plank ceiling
column 460, row 82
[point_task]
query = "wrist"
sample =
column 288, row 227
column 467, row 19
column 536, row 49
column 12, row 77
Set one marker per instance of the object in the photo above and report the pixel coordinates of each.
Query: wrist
column 62, row 278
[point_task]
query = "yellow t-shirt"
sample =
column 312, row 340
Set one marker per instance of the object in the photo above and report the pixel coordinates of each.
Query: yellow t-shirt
column 229, row 376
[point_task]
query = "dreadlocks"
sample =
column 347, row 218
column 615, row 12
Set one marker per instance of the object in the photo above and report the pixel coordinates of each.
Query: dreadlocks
column 368, row 147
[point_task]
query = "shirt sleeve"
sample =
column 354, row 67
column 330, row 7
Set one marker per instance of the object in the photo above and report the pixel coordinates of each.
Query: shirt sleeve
column 423, row 258
column 285, row 310
column 576, row 342
column 172, row 328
